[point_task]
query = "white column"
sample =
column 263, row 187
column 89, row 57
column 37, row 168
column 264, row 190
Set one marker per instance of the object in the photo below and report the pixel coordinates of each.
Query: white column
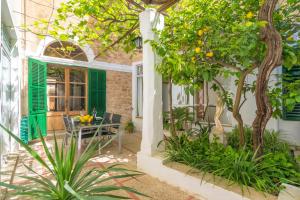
column 152, row 84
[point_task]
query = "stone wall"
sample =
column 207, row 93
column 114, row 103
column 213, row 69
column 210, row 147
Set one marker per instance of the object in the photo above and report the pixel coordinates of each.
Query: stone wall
column 119, row 94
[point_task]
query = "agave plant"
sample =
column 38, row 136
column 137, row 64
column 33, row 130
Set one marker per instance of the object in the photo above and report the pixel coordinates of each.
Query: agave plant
column 69, row 178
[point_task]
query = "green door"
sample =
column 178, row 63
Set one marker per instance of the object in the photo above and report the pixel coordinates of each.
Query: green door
column 37, row 98
column 97, row 91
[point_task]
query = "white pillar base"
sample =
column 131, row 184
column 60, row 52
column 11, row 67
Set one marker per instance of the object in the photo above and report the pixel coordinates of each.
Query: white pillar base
column 152, row 131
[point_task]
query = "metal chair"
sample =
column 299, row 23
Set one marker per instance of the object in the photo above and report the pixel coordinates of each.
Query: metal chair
column 112, row 132
column 67, row 123
column 106, row 118
column 68, row 128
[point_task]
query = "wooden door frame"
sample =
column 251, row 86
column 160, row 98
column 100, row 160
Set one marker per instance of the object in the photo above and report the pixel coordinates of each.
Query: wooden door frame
column 67, row 111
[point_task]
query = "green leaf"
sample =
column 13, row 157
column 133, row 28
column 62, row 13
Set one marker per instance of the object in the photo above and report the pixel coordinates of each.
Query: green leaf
column 75, row 194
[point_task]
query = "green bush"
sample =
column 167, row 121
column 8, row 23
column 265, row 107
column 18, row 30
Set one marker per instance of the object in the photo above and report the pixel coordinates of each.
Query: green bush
column 181, row 116
column 241, row 166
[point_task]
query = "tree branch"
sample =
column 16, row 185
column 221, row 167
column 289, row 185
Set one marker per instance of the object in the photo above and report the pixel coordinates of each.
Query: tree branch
column 244, row 101
column 220, row 85
column 167, row 5
column 226, row 65
column 133, row 28
column 135, row 4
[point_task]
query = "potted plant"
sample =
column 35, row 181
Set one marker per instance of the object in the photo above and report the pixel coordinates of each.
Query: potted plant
column 129, row 127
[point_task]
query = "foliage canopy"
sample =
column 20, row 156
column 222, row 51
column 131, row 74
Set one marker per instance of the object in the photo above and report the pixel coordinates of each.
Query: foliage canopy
column 204, row 40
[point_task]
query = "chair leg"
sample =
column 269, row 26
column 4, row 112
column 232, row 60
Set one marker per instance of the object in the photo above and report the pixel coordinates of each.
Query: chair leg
column 120, row 143
column 66, row 139
column 99, row 140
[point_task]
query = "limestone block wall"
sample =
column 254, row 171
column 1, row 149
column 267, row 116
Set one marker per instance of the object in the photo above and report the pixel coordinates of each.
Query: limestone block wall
column 119, row 94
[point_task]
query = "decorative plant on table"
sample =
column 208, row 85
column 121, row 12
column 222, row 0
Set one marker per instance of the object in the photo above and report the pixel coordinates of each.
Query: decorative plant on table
column 69, row 178
column 86, row 119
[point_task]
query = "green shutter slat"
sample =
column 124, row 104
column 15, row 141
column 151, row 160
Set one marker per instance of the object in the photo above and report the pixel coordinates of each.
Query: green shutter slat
column 290, row 76
column 24, row 129
column 37, row 98
column 97, row 91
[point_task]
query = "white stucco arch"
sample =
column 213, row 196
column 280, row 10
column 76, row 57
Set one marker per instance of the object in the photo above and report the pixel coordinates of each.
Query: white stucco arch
column 91, row 63
column 49, row 40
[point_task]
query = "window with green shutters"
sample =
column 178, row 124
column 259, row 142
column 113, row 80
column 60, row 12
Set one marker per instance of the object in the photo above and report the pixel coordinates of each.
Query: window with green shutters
column 291, row 75
column 97, row 91
column 37, row 99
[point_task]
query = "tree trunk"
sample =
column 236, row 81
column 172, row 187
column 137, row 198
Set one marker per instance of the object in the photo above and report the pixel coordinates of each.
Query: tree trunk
column 206, row 94
column 172, row 123
column 272, row 59
column 236, row 109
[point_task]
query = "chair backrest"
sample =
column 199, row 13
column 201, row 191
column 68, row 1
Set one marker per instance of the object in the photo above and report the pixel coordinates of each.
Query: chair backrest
column 106, row 118
column 67, row 123
column 74, row 123
column 116, row 119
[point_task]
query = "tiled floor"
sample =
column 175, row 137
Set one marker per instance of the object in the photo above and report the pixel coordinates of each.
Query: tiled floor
column 146, row 184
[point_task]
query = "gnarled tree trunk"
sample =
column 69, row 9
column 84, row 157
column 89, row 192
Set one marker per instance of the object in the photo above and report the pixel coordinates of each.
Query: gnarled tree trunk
column 272, row 59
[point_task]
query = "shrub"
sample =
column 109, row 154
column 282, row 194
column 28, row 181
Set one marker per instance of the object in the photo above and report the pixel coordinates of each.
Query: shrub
column 272, row 141
column 265, row 173
column 181, row 115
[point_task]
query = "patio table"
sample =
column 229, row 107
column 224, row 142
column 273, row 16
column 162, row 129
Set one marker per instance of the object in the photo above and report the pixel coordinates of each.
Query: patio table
column 81, row 127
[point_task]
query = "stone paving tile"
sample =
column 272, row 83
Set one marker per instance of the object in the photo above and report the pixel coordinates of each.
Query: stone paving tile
column 146, row 184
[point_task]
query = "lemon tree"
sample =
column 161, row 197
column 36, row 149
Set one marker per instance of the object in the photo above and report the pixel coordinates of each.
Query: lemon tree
column 204, row 40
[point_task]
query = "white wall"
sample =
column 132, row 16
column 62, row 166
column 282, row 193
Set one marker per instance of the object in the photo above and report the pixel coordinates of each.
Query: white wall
column 290, row 130
column 10, row 75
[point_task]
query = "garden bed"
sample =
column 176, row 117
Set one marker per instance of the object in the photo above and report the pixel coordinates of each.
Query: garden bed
column 239, row 165
column 218, row 182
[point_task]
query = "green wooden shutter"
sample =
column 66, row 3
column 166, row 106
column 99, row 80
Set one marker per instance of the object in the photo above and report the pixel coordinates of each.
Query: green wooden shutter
column 37, row 98
column 291, row 75
column 97, row 91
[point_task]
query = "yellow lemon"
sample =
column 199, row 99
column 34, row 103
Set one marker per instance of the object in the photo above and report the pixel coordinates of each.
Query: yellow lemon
column 200, row 42
column 86, row 118
column 210, row 54
column 81, row 119
column 194, row 59
column 249, row 24
column 198, row 50
column 205, row 29
column 200, row 32
column 249, row 15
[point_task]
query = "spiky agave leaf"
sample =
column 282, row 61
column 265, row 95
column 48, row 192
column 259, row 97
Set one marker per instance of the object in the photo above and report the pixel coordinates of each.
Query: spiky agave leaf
column 69, row 179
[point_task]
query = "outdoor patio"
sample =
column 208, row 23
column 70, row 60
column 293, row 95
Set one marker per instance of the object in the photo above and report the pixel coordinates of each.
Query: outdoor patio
column 131, row 144
column 186, row 99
